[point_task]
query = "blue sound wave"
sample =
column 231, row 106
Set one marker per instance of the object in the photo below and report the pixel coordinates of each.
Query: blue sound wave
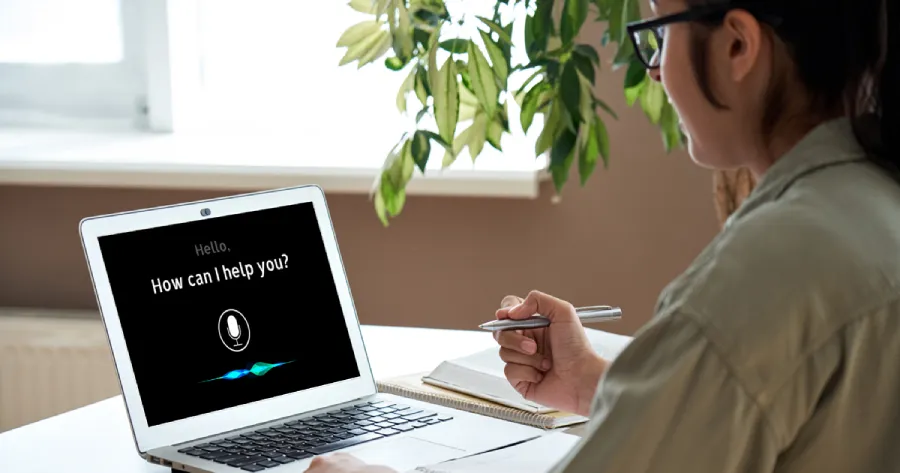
column 258, row 369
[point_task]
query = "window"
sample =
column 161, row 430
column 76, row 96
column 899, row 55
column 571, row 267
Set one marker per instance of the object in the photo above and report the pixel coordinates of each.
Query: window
column 206, row 87
column 63, row 62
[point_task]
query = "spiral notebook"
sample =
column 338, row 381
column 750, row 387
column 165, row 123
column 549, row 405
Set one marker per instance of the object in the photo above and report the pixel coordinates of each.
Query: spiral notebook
column 412, row 386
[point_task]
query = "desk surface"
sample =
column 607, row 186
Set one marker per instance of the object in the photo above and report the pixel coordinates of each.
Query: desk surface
column 101, row 432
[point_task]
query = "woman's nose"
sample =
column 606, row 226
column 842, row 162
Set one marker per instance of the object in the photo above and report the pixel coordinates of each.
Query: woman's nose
column 655, row 74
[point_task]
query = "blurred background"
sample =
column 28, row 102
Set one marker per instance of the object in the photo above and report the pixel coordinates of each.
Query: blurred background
column 114, row 105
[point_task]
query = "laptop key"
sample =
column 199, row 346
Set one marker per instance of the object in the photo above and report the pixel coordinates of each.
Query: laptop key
column 444, row 417
column 363, row 423
column 367, row 409
column 230, row 458
column 385, row 425
column 194, row 452
column 268, row 464
column 344, row 443
column 213, row 455
column 371, row 428
column 431, row 420
column 357, row 432
column 420, row 415
column 299, row 455
column 246, row 461
column 377, row 419
column 388, row 432
column 403, row 428
column 253, row 468
column 400, row 407
column 282, row 460
column 398, row 421
column 416, row 425
column 344, row 435
column 390, row 416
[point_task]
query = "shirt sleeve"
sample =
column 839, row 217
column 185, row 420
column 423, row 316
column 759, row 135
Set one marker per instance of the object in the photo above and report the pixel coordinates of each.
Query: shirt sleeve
column 670, row 403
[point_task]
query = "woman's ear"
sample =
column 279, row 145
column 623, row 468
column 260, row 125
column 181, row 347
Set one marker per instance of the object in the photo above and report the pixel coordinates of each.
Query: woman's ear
column 741, row 47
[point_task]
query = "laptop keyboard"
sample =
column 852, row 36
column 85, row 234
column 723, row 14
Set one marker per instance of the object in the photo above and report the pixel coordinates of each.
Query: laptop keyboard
column 273, row 446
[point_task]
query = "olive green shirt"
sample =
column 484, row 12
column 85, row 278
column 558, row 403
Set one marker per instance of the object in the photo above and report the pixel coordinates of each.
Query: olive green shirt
column 778, row 350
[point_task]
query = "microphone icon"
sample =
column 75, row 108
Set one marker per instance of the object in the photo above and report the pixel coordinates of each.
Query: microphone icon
column 234, row 330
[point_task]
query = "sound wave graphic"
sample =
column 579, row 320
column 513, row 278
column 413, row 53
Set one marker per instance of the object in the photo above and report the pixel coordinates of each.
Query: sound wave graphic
column 258, row 369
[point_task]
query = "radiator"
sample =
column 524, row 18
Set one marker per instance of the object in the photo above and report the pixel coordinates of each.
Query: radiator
column 51, row 363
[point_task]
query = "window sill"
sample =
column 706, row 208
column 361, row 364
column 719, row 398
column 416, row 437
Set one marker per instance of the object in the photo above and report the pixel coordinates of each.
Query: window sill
column 31, row 156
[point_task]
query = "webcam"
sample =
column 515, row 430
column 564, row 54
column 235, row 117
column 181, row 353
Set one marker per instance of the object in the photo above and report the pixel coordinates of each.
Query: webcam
column 205, row 212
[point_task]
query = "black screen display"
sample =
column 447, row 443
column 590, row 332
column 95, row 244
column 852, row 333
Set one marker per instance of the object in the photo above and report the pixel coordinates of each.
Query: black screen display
column 228, row 310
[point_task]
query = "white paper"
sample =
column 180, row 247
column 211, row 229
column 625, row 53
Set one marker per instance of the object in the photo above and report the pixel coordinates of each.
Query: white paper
column 536, row 456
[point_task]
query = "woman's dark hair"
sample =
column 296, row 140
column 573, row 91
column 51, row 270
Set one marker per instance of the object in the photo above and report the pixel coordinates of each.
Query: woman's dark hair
column 846, row 54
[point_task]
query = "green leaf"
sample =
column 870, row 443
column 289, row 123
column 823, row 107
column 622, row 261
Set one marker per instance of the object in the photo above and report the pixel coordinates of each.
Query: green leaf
column 553, row 123
column 455, row 46
column 363, row 6
column 378, row 50
column 460, row 142
column 588, row 152
column 437, row 138
column 433, row 71
column 624, row 55
column 446, row 100
column 585, row 66
column 586, row 99
column 561, row 156
column 364, row 47
column 602, row 136
column 359, row 32
column 573, row 17
column 632, row 94
column 422, row 87
column 606, row 108
column 525, row 85
column 498, row 59
column 483, row 81
column 570, row 91
column 588, row 52
column 653, row 98
column 668, row 122
column 420, row 149
column 636, row 74
column 477, row 135
column 538, row 29
column 495, row 132
column 501, row 33
column 380, row 209
column 403, row 34
column 530, row 104
column 405, row 87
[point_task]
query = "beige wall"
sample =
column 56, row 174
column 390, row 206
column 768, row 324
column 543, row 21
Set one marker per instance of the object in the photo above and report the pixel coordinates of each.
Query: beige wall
column 446, row 262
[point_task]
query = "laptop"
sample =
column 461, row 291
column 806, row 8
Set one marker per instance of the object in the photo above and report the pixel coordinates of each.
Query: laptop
column 238, row 348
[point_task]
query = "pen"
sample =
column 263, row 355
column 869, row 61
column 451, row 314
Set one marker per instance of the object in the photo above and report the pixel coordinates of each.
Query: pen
column 601, row 313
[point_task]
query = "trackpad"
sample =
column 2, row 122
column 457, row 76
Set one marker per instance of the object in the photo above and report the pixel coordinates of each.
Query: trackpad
column 404, row 453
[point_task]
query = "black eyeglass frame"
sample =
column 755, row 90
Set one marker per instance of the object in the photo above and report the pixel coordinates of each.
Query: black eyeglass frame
column 702, row 13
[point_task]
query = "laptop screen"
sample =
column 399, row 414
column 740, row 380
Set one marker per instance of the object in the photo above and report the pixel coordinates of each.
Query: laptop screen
column 228, row 310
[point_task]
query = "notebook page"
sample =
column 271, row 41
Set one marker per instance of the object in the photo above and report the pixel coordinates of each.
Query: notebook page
column 535, row 456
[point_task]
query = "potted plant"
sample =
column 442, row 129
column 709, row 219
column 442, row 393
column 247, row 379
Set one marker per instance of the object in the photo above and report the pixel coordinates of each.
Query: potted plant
column 459, row 71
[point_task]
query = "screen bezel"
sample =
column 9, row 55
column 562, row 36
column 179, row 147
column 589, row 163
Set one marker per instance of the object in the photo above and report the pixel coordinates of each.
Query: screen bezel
column 175, row 432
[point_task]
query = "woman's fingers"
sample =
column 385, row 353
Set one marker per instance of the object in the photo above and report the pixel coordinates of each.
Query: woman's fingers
column 515, row 340
column 516, row 374
column 534, row 361
column 510, row 301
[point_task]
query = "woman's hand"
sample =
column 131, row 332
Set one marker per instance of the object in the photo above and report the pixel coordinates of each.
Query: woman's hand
column 343, row 463
column 554, row 366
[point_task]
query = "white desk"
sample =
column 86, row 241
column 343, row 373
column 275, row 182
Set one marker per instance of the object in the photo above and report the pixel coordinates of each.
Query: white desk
column 100, row 433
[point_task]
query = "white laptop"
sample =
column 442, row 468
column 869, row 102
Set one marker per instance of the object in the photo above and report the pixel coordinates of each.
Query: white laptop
column 238, row 347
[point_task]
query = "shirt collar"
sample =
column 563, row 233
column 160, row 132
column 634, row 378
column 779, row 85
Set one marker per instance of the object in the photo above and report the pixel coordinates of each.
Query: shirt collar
column 828, row 144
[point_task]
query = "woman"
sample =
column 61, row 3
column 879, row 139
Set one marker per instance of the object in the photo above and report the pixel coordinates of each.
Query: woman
column 778, row 349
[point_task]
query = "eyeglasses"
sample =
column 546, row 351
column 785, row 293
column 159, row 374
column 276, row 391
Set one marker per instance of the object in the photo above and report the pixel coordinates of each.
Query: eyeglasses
column 647, row 35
